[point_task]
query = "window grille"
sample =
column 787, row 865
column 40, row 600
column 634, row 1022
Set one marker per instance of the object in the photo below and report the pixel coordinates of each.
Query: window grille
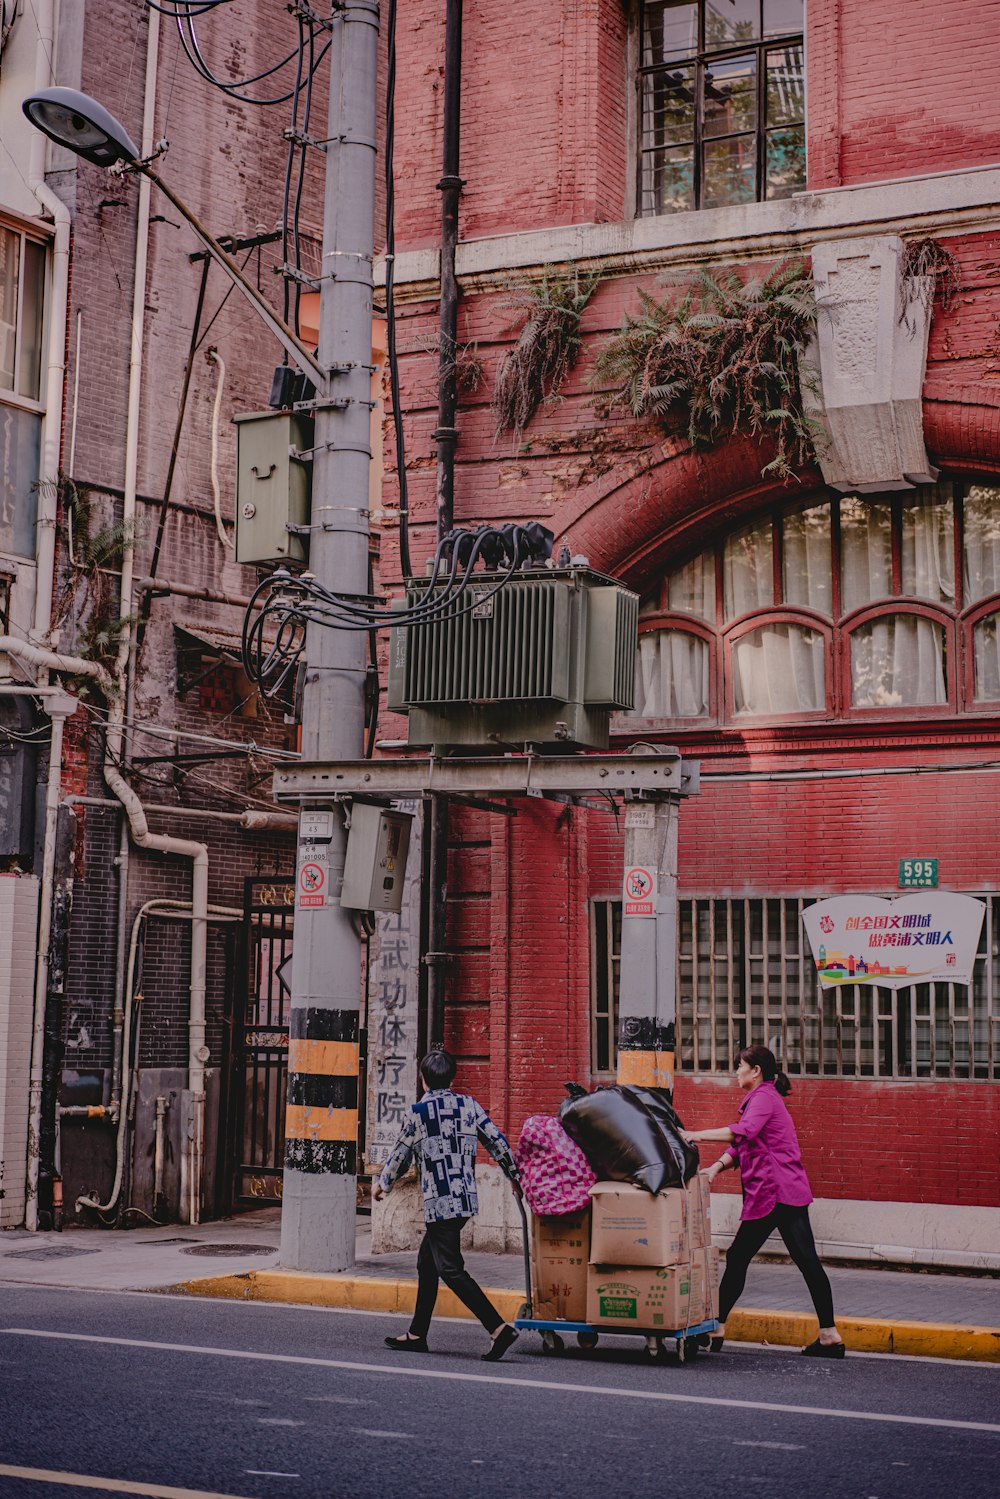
column 840, row 608
column 722, row 91
column 745, row 974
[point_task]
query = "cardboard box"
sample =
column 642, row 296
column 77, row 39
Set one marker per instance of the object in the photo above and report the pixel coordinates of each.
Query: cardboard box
column 631, row 1227
column 700, row 1211
column 704, row 1285
column 560, row 1249
column 639, row 1298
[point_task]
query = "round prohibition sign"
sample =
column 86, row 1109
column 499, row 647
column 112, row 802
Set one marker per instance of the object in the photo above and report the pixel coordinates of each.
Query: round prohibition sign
column 638, row 884
column 311, row 878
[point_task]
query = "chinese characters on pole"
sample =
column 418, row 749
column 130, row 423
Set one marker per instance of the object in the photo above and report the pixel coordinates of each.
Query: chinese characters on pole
column 393, row 991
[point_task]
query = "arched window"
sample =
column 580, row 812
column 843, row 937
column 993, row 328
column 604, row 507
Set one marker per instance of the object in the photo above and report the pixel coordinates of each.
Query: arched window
column 838, row 606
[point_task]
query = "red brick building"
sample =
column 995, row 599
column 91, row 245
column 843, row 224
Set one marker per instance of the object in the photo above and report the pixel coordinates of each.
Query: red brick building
column 824, row 646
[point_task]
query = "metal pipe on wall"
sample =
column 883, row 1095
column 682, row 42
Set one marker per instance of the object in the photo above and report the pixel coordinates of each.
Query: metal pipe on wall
column 43, row 15
column 446, row 437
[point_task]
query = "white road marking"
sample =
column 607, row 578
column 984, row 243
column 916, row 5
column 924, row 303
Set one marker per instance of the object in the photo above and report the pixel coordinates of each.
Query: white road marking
column 774, row 1446
column 108, row 1485
column 399, row 1436
column 409, row 1371
column 293, row 1307
column 278, row 1421
column 269, row 1473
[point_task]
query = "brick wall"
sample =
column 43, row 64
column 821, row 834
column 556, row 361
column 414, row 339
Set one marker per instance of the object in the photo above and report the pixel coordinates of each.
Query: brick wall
column 891, row 91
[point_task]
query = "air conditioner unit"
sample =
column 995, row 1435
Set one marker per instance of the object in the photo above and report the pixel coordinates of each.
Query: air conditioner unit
column 545, row 659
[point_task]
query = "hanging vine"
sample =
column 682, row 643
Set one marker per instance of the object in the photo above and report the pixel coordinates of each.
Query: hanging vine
column 928, row 267
column 88, row 596
column 548, row 346
column 722, row 356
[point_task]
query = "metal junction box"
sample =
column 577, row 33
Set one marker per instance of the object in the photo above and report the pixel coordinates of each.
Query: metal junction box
column 377, row 845
column 272, row 485
column 544, row 659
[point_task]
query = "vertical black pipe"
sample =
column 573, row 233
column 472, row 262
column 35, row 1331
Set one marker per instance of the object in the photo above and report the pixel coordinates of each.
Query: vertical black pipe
column 446, row 436
column 49, row 1196
column 450, row 188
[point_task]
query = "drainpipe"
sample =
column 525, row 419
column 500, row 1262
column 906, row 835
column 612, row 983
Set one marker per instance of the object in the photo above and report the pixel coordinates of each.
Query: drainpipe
column 33, row 655
column 43, row 14
column 59, row 709
column 117, row 749
column 446, row 436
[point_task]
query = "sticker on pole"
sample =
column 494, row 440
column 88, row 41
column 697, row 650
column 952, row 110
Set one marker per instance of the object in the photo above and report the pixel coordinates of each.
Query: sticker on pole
column 312, row 883
column 639, row 892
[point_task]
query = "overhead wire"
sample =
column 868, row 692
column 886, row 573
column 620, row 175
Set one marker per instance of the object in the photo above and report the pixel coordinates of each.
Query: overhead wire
column 390, row 300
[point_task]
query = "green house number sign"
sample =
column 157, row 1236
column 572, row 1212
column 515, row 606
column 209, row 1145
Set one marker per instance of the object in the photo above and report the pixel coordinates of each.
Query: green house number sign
column 918, row 873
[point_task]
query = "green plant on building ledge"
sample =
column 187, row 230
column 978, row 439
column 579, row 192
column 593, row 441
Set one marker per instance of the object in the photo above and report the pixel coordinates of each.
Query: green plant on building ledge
column 721, row 355
column 88, row 598
column 548, row 346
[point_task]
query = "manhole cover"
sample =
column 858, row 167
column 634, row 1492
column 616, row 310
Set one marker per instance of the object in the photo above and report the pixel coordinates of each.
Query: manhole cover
column 49, row 1252
column 221, row 1249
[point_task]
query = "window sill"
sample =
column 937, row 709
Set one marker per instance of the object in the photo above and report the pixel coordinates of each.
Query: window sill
column 786, row 225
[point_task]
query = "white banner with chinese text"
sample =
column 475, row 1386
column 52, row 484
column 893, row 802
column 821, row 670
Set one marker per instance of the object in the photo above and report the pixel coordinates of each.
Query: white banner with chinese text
column 916, row 939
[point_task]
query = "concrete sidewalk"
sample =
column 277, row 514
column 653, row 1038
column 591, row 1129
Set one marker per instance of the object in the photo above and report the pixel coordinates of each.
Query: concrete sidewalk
column 946, row 1316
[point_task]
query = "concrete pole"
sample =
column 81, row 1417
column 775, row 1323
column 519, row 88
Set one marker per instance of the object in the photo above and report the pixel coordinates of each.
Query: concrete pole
column 647, row 1005
column 319, row 1196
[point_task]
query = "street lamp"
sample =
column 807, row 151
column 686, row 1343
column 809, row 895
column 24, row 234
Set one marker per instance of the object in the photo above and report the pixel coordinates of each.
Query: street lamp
column 83, row 126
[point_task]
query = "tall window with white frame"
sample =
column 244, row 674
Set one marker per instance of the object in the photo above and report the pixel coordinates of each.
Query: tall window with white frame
column 722, row 103
column 22, row 279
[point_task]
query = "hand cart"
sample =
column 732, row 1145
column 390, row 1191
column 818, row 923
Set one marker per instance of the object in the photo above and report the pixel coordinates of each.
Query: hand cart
column 687, row 1340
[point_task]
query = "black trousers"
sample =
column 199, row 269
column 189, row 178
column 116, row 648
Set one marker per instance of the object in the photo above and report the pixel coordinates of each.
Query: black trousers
column 794, row 1227
column 440, row 1258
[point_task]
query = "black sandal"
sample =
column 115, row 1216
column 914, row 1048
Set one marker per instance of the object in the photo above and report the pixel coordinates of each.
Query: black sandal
column 824, row 1350
column 407, row 1345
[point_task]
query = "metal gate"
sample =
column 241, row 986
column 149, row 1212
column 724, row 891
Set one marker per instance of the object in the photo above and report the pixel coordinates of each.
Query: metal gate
column 255, row 1064
column 258, row 1070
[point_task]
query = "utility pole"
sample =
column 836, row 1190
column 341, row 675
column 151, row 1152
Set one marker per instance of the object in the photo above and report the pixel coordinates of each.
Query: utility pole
column 647, row 1005
column 320, row 1181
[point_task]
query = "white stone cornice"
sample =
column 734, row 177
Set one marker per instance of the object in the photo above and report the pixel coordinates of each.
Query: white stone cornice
column 944, row 203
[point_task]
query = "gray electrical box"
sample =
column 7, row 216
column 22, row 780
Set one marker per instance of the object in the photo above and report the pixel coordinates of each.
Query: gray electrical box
column 272, row 485
column 377, row 845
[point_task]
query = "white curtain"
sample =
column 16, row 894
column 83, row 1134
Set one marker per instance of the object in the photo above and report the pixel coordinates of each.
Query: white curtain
column 896, row 661
column 691, row 588
column 928, row 547
column 865, row 553
column 779, row 669
column 748, row 570
column 986, row 647
column 671, row 675
column 981, row 523
column 806, row 559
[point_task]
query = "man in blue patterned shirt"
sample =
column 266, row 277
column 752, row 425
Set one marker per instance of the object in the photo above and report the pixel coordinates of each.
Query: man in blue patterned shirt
column 443, row 1131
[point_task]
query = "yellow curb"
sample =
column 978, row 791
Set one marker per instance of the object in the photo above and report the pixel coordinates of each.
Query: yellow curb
column 870, row 1334
column 748, row 1325
column 362, row 1293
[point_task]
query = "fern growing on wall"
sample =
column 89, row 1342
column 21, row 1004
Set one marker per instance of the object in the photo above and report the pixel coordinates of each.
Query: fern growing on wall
column 547, row 348
column 722, row 355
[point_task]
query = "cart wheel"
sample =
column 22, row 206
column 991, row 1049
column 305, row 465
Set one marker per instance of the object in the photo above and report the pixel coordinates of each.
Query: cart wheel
column 552, row 1343
column 687, row 1350
column 587, row 1339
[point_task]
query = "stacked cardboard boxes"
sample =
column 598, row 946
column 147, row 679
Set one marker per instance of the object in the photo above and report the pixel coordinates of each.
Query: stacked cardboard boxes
column 651, row 1262
column 560, row 1250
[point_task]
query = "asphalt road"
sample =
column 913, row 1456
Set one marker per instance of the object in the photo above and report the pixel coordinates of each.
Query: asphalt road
column 158, row 1394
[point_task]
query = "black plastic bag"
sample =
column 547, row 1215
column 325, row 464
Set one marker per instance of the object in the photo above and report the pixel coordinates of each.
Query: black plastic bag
column 630, row 1134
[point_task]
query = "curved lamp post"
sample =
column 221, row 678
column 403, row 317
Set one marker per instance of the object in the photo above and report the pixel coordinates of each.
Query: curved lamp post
column 83, row 126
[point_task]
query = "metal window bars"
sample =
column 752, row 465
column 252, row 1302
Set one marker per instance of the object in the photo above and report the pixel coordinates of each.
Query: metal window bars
column 745, row 973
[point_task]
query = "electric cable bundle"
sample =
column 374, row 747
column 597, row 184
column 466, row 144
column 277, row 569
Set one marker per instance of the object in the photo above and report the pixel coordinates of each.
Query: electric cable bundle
column 283, row 605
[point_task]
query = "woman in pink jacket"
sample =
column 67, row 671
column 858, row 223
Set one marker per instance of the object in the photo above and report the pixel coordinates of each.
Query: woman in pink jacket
column 776, row 1195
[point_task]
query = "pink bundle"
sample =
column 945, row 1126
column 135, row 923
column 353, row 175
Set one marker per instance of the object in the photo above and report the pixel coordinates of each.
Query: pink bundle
column 555, row 1174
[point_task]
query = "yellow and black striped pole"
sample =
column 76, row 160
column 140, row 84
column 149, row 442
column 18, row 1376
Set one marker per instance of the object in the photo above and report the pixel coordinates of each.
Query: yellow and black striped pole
column 321, row 1118
column 647, row 1001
